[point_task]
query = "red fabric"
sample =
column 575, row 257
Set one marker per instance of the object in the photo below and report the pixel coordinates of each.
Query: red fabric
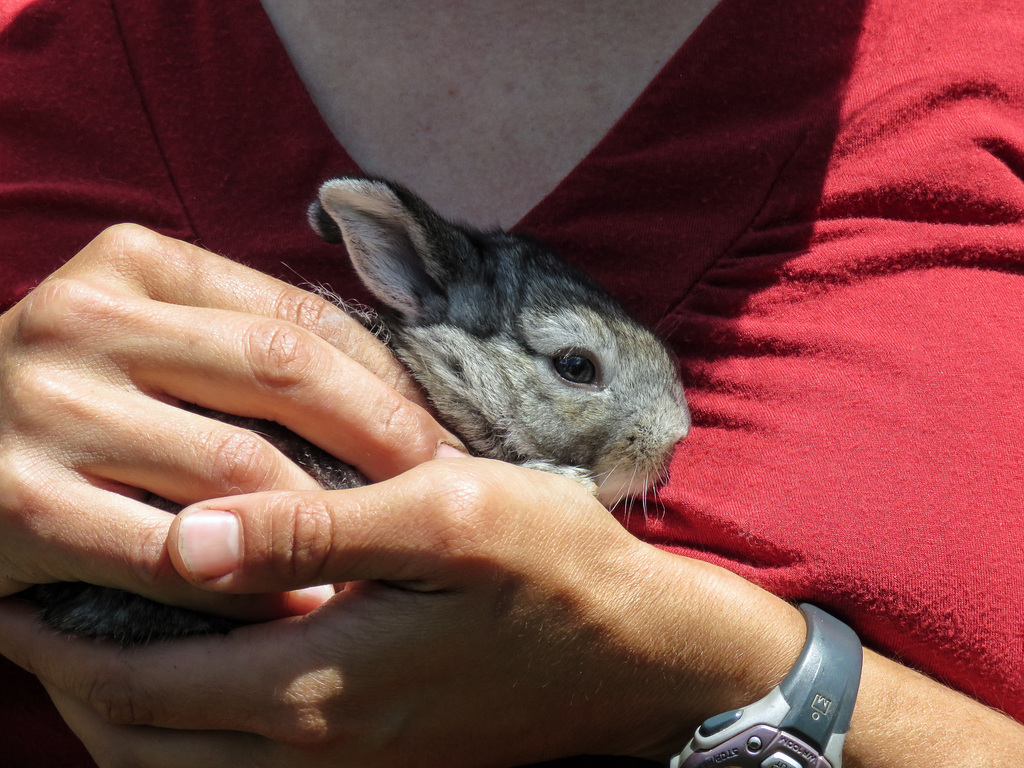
column 820, row 206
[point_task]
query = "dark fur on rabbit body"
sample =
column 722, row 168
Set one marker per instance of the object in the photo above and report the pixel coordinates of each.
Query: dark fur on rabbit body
column 524, row 357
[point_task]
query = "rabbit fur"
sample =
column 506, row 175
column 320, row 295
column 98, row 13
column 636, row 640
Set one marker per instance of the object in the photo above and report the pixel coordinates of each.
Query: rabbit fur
column 524, row 357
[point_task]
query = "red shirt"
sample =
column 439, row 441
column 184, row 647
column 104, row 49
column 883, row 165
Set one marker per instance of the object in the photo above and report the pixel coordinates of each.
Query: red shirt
column 819, row 206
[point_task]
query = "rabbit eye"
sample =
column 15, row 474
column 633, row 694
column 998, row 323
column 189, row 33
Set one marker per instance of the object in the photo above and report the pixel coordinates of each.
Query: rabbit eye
column 575, row 368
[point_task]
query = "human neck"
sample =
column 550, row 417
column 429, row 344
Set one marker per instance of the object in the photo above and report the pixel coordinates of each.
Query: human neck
column 482, row 106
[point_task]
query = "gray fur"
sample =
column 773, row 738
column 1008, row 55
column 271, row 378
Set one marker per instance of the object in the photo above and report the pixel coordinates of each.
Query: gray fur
column 479, row 319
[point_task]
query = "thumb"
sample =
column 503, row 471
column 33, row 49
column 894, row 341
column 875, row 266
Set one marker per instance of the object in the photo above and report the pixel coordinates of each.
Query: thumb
column 276, row 541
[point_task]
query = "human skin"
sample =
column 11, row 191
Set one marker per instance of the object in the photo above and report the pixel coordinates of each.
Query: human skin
column 481, row 107
column 94, row 361
column 470, row 578
column 481, row 601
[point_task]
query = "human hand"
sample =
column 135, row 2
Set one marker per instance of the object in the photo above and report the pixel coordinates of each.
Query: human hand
column 92, row 365
column 490, row 615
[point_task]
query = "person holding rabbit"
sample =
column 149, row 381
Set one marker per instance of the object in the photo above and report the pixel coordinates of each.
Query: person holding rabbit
column 818, row 210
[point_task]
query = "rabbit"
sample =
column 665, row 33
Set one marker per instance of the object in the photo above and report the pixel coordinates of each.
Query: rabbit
column 524, row 357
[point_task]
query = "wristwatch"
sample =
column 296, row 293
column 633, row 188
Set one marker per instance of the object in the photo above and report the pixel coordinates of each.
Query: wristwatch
column 803, row 722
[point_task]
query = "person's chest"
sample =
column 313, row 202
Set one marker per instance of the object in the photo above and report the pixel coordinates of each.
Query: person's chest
column 483, row 108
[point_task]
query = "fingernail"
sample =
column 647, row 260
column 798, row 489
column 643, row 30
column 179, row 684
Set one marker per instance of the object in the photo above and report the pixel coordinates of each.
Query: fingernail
column 302, row 601
column 448, row 451
column 209, row 542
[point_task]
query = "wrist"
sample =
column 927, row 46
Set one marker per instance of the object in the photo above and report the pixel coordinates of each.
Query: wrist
column 802, row 722
column 718, row 642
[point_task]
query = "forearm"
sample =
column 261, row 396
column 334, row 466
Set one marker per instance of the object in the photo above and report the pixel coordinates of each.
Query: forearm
column 902, row 719
column 485, row 602
column 906, row 720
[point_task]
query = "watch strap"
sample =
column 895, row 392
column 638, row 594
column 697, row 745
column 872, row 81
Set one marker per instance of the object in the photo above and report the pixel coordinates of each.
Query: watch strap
column 822, row 686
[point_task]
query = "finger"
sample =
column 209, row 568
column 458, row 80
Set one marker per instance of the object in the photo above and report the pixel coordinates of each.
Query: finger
column 245, row 365
column 56, row 499
column 244, row 681
column 122, row 547
column 171, row 271
column 103, row 441
column 111, row 744
column 202, row 458
column 279, row 372
column 431, row 528
column 293, row 538
column 122, row 436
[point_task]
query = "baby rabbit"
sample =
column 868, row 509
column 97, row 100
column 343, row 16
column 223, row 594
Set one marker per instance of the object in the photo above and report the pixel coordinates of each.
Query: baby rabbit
column 524, row 357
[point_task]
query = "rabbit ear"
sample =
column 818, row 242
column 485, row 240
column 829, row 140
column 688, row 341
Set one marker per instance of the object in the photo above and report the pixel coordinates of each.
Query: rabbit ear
column 389, row 239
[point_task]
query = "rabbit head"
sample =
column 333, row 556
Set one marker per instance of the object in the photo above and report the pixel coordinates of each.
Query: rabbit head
column 524, row 357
